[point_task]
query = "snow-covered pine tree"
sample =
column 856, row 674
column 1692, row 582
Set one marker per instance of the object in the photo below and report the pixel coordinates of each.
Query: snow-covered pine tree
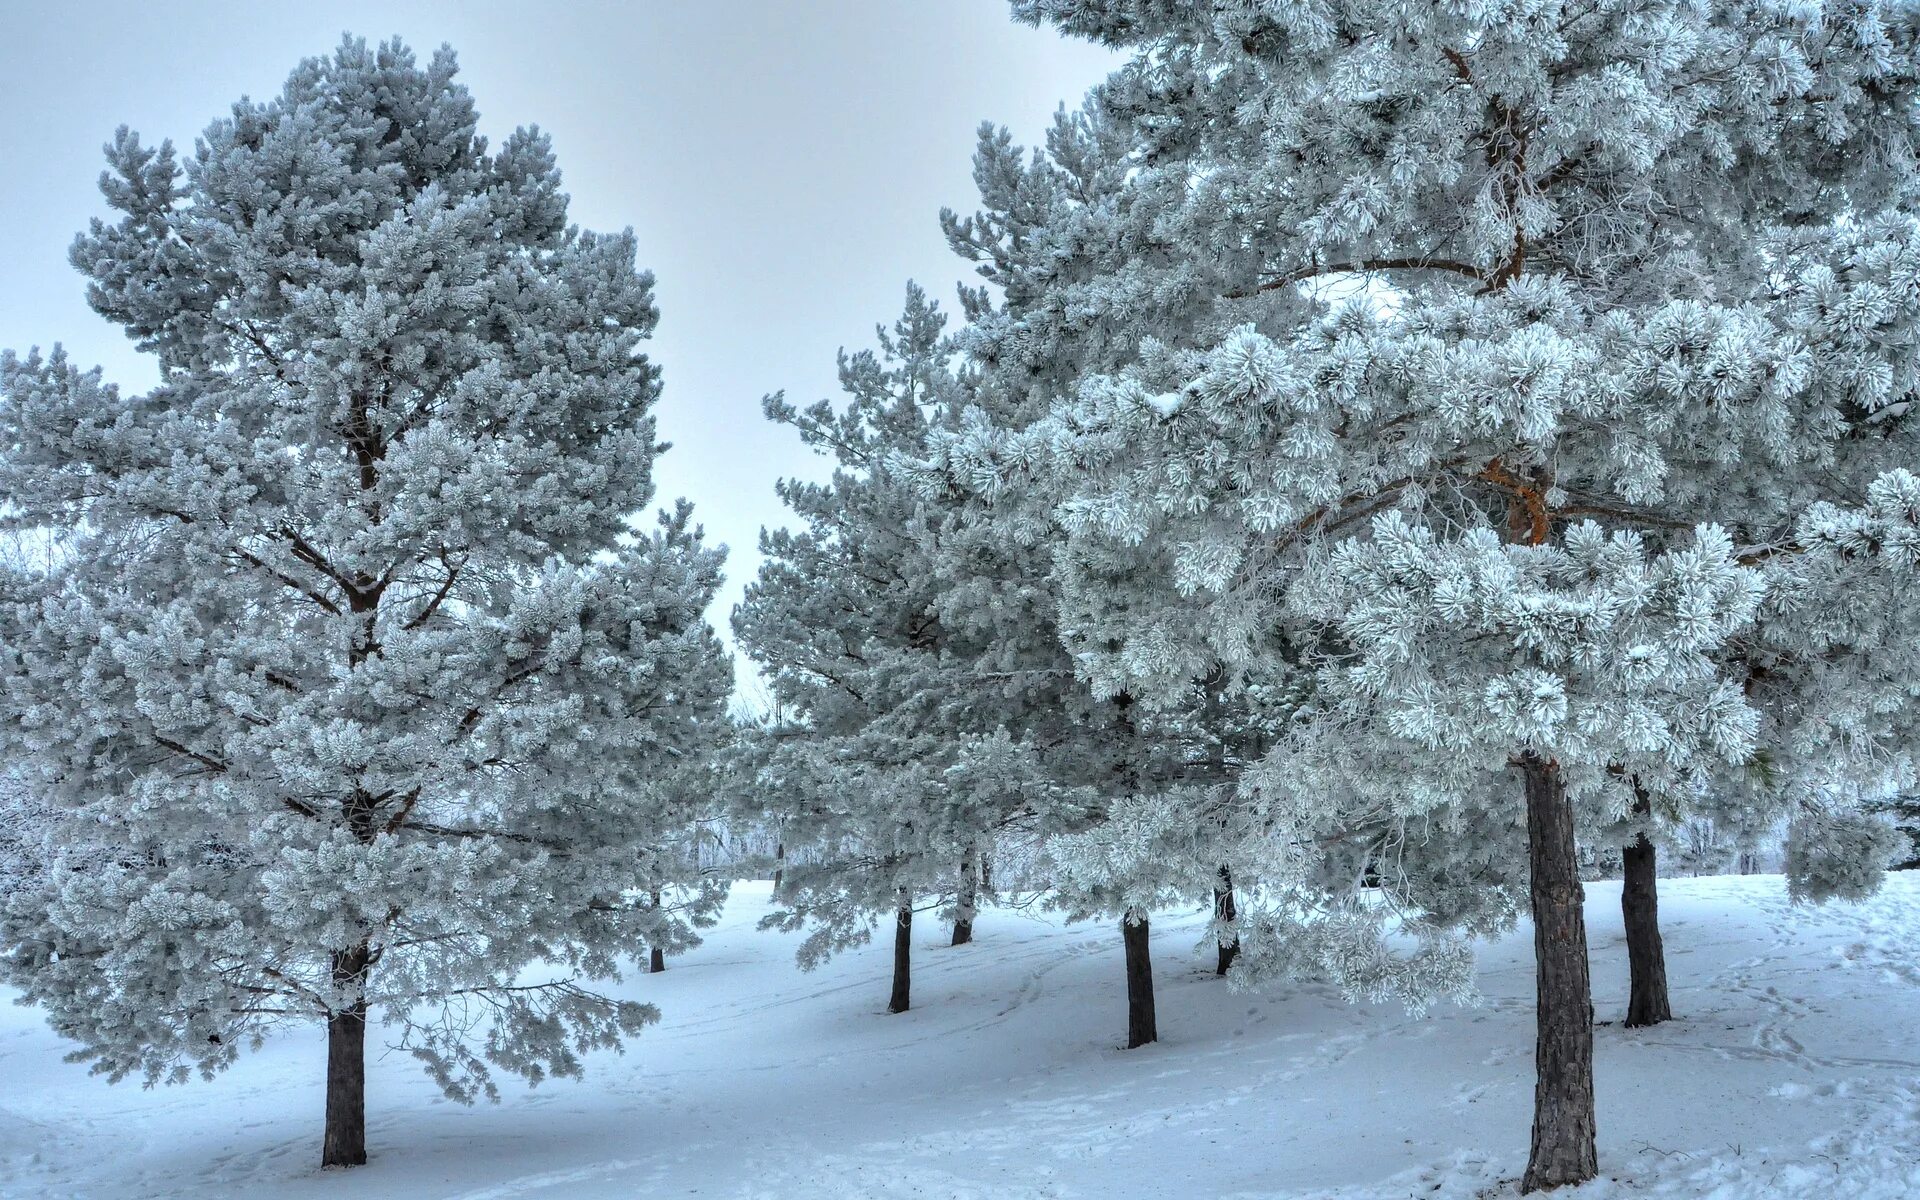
column 1584, row 338
column 1073, row 758
column 351, row 685
column 890, row 773
column 1072, row 243
column 686, row 854
column 1059, row 239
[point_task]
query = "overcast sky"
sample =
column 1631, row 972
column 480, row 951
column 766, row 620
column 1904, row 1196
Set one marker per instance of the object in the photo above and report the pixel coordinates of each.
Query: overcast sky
column 782, row 162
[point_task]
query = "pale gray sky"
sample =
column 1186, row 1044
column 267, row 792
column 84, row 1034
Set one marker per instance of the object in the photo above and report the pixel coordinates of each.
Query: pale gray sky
column 781, row 162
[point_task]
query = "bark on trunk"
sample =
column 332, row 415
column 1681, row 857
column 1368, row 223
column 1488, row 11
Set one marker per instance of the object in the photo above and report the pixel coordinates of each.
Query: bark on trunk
column 656, row 957
column 1141, row 1027
column 1647, row 1002
column 1225, row 911
column 345, row 1144
column 779, row 868
column 986, row 871
column 902, row 956
column 1563, row 1119
column 969, row 895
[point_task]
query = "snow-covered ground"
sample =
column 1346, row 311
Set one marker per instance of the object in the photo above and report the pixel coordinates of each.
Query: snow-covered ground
column 1792, row 1071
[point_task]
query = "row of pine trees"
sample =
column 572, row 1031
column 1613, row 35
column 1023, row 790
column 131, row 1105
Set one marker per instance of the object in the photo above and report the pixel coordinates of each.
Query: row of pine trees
column 1391, row 455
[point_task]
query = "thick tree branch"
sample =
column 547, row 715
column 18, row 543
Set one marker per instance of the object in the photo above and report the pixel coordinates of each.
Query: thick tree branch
column 1360, row 266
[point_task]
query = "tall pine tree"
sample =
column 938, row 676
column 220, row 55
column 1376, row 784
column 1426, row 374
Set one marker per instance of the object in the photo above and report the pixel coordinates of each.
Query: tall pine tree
column 351, row 687
column 1485, row 358
column 875, row 779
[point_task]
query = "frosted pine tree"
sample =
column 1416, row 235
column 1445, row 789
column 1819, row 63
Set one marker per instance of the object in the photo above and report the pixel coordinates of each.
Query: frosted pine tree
column 1058, row 236
column 1513, row 343
column 894, row 772
column 351, row 689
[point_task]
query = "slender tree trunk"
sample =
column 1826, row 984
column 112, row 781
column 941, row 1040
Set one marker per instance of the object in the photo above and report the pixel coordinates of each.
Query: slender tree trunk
column 656, row 956
column 1647, row 1002
column 345, row 1144
column 986, row 871
column 345, row 1140
column 1563, row 1117
column 1225, row 912
column 902, row 955
column 779, row 868
column 969, row 895
column 1141, row 1027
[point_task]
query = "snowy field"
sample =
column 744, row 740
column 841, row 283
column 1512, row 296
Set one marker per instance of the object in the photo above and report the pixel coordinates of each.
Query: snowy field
column 1792, row 1071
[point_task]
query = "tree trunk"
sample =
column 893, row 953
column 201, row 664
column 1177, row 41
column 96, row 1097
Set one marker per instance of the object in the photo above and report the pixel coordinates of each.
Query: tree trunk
column 656, row 957
column 1647, row 1002
column 1141, row 1027
column 1563, row 1118
column 969, row 895
column 345, row 1144
column 902, row 955
column 986, row 871
column 1225, row 912
column 779, row 868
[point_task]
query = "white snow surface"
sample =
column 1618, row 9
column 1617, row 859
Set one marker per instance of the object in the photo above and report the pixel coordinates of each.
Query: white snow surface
column 1792, row 1070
